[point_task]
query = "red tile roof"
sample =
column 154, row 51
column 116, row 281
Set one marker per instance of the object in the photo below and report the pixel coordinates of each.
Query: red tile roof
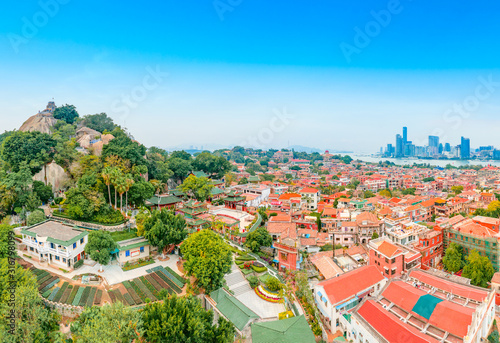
column 452, row 317
column 388, row 249
column 403, row 294
column 308, row 190
column 347, row 285
column 391, row 328
column 447, row 286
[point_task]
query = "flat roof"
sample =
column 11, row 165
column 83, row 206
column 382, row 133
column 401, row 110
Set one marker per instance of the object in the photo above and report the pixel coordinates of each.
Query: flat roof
column 56, row 232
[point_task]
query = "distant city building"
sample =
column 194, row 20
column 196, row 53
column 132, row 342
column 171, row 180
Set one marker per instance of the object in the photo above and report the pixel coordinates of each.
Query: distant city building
column 399, row 146
column 465, row 148
column 447, row 147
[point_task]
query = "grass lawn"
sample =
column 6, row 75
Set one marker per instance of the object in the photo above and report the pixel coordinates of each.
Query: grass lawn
column 123, row 235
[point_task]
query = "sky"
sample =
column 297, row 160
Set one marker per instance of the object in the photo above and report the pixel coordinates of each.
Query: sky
column 329, row 74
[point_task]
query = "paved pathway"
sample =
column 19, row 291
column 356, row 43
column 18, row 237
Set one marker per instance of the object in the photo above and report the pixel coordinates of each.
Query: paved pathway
column 112, row 273
column 244, row 293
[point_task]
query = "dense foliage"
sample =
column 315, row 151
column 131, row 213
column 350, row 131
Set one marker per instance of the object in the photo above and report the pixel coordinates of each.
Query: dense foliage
column 208, row 258
column 181, row 320
column 164, row 229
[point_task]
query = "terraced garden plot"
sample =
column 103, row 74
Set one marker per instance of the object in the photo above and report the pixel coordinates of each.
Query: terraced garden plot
column 169, row 282
column 72, row 294
column 66, row 294
column 149, row 286
column 139, row 292
column 177, row 276
column 162, row 283
column 119, row 296
column 129, row 299
column 98, row 297
column 131, row 291
column 144, row 289
column 50, row 281
column 112, row 296
column 90, row 300
column 53, row 294
column 78, row 296
column 153, row 282
column 59, row 294
column 85, row 295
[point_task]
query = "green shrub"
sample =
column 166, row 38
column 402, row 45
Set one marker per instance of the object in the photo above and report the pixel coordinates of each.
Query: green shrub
column 259, row 269
column 274, row 284
column 253, row 280
column 494, row 337
column 78, row 264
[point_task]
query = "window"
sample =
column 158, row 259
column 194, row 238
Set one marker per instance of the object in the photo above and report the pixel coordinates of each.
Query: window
column 127, row 253
column 81, row 241
column 31, row 249
column 393, row 260
column 74, row 245
column 142, row 249
column 75, row 259
column 386, row 260
column 64, row 260
column 52, row 245
column 57, row 258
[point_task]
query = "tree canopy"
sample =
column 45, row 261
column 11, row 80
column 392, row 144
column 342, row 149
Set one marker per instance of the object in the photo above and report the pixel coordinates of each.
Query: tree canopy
column 33, row 321
column 479, row 269
column 34, row 148
column 453, row 258
column 198, row 187
column 208, row 258
column 258, row 238
column 123, row 146
column 100, row 246
column 66, row 113
column 99, row 122
column 164, row 229
column 214, row 166
column 184, row 320
column 107, row 324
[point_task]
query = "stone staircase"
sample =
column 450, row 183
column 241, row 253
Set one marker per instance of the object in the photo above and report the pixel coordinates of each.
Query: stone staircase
column 237, row 283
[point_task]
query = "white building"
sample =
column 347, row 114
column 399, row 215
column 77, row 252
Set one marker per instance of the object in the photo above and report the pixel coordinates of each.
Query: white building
column 337, row 296
column 405, row 233
column 310, row 197
column 55, row 243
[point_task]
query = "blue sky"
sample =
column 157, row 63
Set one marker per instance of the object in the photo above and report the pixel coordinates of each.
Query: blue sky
column 348, row 74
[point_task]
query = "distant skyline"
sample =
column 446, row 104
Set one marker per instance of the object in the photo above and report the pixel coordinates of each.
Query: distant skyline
column 324, row 74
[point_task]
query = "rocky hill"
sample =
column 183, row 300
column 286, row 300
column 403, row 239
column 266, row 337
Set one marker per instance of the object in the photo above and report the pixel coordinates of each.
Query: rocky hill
column 42, row 121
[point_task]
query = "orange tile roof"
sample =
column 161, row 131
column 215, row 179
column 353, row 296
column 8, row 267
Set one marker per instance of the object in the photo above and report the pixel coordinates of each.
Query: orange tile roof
column 308, row 190
column 349, row 284
column 388, row 249
column 288, row 196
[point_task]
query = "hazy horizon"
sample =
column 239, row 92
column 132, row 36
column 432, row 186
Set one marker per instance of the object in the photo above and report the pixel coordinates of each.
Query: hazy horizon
column 326, row 75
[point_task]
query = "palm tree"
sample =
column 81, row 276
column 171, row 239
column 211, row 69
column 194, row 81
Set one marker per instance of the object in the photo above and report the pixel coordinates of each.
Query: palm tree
column 158, row 185
column 129, row 181
column 121, row 188
column 106, row 175
column 115, row 176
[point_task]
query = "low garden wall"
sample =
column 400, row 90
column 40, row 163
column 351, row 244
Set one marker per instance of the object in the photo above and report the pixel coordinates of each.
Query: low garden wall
column 92, row 226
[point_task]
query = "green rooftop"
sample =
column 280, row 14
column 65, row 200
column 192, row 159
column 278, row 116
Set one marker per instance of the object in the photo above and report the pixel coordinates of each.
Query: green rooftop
column 163, row 200
column 426, row 305
column 233, row 309
column 295, row 329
